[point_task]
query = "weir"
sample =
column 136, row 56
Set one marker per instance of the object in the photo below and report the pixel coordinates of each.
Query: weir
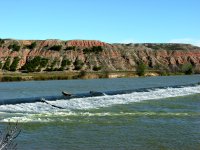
column 49, row 98
column 44, row 99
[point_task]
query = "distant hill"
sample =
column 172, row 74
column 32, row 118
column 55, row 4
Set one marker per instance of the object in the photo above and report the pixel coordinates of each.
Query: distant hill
column 89, row 55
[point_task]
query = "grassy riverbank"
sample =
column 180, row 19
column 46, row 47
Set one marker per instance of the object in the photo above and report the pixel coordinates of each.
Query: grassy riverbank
column 66, row 75
column 18, row 76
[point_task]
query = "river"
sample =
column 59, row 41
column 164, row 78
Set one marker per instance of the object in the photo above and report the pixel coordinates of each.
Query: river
column 132, row 113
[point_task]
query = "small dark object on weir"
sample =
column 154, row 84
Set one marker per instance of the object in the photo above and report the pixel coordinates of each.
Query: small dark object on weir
column 66, row 93
column 44, row 101
column 95, row 93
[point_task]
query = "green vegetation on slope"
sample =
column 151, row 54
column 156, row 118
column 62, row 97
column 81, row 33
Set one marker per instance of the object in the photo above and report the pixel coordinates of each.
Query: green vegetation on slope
column 32, row 46
column 56, row 47
column 78, row 64
column 13, row 66
column 141, row 69
column 6, row 65
column 14, row 47
column 94, row 49
column 36, row 64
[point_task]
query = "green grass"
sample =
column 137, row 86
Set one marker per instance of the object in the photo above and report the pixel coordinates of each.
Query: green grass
column 63, row 75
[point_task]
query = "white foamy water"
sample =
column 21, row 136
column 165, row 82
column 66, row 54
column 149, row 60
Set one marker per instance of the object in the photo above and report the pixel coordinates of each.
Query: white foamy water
column 98, row 102
column 65, row 116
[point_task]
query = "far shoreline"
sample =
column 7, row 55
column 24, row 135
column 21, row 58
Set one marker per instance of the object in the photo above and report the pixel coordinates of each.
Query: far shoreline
column 70, row 75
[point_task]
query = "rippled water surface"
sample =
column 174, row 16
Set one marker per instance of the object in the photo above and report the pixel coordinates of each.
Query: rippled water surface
column 163, row 116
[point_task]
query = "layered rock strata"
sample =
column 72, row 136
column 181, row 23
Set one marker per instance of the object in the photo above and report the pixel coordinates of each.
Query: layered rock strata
column 104, row 56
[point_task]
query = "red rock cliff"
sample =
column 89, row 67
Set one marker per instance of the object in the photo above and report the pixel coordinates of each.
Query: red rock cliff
column 88, row 54
column 86, row 43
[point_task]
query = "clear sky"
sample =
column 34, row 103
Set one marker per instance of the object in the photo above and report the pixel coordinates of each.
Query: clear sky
column 106, row 20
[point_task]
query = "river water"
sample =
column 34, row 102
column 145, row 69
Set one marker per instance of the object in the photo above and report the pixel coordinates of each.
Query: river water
column 155, row 113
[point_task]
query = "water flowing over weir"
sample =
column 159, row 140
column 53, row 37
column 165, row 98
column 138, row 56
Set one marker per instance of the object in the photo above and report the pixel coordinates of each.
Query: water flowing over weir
column 95, row 100
column 89, row 94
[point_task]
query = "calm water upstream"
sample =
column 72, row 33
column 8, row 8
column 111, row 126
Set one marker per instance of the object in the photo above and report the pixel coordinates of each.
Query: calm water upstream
column 157, row 114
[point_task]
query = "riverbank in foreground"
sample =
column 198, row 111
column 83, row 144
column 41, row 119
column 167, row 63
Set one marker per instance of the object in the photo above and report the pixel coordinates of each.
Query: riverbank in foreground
column 68, row 75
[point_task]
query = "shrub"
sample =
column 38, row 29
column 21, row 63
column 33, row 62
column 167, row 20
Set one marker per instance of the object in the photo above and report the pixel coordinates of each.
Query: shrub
column 78, row 64
column 53, row 65
column 31, row 65
column 94, row 49
column 14, row 47
column 13, row 66
column 7, row 64
column 56, row 47
column 70, row 48
column 11, row 78
column 43, row 62
column 136, row 45
column 32, row 46
column 1, row 65
column 1, row 42
column 35, row 64
column 65, row 62
column 96, row 68
column 86, row 50
column 97, row 49
column 141, row 69
column 164, row 72
column 188, row 68
column 105, row 74
column 82, row 74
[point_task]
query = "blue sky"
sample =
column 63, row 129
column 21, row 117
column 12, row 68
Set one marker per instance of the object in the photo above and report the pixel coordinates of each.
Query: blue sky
column 106, row 20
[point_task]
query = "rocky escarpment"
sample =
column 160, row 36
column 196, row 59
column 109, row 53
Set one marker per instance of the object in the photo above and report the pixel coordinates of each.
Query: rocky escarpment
column 91, row 55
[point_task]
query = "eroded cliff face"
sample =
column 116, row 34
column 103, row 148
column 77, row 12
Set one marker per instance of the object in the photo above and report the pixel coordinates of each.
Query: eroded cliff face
column 96, row 55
